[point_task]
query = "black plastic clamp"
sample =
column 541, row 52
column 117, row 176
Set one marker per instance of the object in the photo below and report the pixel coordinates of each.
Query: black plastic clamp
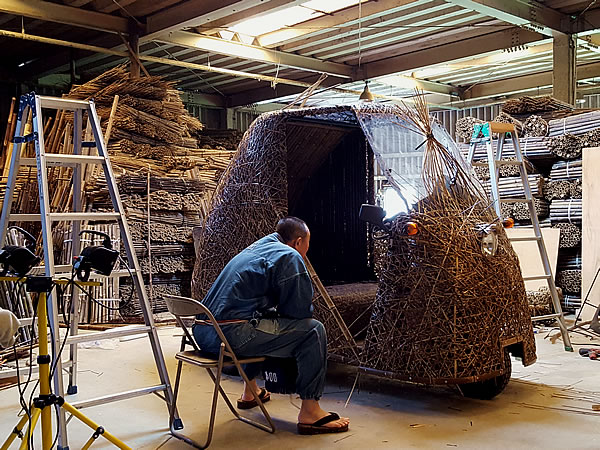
column 44, row 359
column 27, row 138
column 98, row 432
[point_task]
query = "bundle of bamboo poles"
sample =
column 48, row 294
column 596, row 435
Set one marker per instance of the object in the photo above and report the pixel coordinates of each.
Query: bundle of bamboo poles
column 513, row 187
column 569, row 280
column 483, row 172
column 570, row 235
column 562, row 189
column 464, row 127
column 535, row 126
column 566, row 210
column 576, row 124
column 566, row 170
column 503, row 117
column 148, row 130
column 533, row 148
column 520, row 211
column 525, row 104
column 565, row 146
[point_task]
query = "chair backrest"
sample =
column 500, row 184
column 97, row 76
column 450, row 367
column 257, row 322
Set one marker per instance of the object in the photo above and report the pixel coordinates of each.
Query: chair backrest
column 183, row 306
column 186, row 307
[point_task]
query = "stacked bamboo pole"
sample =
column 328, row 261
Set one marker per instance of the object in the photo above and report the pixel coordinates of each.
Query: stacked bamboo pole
column 147, row 129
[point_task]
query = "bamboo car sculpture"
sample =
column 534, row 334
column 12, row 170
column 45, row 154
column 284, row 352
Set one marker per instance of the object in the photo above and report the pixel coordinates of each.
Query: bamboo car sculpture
column 450, row 304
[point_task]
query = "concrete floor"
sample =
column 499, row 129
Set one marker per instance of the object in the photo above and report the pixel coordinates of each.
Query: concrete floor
column 547, row 405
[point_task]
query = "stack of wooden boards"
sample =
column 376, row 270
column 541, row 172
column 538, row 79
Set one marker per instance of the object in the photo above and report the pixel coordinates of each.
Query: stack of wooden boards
column 167, row 168
column 552, row 139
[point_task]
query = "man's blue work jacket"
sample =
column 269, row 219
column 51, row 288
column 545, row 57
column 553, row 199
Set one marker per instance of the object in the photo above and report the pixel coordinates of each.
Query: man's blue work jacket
column 267, row 274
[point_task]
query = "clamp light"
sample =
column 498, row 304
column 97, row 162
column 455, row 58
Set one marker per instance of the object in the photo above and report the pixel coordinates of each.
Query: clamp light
column 101, row 258
column 16, row 259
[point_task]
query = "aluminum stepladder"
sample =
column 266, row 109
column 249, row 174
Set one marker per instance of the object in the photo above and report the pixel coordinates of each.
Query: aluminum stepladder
column 31, row 105
column 482, row 133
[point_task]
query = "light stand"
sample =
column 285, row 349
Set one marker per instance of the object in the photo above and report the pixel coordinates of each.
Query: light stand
column 42, row 404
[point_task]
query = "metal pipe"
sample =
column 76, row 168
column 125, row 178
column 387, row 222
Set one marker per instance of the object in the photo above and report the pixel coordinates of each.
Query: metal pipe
column 202, row 67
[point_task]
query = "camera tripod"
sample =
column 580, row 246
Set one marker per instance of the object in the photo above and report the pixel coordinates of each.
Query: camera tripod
column 42, row 404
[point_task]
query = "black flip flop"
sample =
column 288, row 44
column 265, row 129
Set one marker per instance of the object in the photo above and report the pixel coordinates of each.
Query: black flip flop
column 319, row 428
column 248, row 404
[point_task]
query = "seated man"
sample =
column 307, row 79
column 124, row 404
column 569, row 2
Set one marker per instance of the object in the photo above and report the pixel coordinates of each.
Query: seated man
column 262, row 299
column 9, row 325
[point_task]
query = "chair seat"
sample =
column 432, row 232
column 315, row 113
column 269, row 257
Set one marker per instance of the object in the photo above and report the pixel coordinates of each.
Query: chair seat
column 208, row 360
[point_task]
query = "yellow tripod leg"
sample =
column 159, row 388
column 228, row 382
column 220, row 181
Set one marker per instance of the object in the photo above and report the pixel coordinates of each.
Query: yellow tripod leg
column 34, row 418
column 16, row 432
column 94, row 426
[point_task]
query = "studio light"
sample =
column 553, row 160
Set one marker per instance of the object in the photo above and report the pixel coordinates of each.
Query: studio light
column 18, row 260
column 101, row 258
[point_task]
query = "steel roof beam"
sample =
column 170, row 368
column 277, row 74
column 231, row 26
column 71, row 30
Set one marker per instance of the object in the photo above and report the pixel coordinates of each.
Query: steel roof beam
column 526, row 82
column 542, row 19
column 67, row 15
column 255, row 53
column 188, row 14
column 497, row 40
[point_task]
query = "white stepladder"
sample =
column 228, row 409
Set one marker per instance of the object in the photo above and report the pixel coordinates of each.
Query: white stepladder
column 482, row 134
column 32, row 105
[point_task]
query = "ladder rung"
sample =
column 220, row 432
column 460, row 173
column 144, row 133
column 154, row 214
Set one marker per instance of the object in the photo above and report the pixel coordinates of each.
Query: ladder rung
column 88, row 144
column 95, row 276
column 500, row 127
column 524, row 238
column 546, row 317
column 53, row 159
column 68, row 216
column 108, row 334
column 63, row 103
column 507, row 162
column 537, row 277
column 34, row 370
column 514, row 200
column 57, row 268
column 121, row 396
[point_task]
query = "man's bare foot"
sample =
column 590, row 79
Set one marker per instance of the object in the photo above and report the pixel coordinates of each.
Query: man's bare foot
column 247, row 394
column 311, row 412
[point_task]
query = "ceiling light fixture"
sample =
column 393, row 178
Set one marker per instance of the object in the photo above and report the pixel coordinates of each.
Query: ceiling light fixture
column 366, row 94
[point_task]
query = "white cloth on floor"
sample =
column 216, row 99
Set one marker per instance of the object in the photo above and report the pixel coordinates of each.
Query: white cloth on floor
column 9, row 324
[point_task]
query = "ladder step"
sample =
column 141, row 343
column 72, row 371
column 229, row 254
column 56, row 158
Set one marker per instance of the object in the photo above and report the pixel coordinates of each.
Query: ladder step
column 63, row 103
column 95, row 276
column 58, row 159
column 24, row 370
column 500, row 127
column 66, row 268
column 501, row 162
column 120, row 396
column 537, row 277
column 514, row 200
column 525, row 238
column 507, row 162
column 546, row 317
column 70, row 216
column 108, row 334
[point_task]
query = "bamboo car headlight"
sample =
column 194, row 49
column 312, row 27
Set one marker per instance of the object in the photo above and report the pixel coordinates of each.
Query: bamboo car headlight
column 488, row 239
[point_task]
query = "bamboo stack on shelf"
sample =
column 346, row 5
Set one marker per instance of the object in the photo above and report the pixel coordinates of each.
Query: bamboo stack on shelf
column 150, row 131
column 513, row 187
column 552, row 138
column 533, row 148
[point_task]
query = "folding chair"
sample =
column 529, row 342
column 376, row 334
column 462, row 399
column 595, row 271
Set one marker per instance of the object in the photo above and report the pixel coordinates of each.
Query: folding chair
column 182, row 307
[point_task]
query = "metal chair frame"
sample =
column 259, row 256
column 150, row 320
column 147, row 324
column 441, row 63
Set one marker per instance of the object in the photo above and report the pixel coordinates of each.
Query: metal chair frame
column 182, row 307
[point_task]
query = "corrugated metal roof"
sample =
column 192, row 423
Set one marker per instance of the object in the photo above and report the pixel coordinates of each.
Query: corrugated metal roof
column 386, row 32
